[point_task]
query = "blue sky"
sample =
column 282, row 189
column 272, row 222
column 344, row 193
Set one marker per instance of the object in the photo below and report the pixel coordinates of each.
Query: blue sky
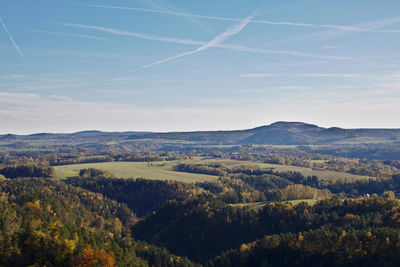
column 197, row 65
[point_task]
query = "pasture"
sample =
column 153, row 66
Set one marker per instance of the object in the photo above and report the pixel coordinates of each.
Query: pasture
column 326, row 175
column 260, row 205
column 149, row 170
column 163, row 170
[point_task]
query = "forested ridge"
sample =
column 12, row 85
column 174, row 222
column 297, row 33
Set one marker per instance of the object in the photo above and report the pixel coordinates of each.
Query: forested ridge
column 367, row 247
column 59, row 223
column 45, row 223
column 201, row 223
column 259, row 205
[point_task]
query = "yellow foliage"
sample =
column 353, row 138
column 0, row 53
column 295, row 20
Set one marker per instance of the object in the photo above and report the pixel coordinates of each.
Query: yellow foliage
column 70, row 245
column 369, row 235
column 91, row 258
column 117, row 225
column 106, row 259
column 301, row 238
column 35, row 206
column 244, row 247
column 87, row 258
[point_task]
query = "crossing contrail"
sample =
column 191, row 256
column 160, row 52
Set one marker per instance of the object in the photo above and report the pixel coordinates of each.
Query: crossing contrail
column 213, row 43
column 268, row 22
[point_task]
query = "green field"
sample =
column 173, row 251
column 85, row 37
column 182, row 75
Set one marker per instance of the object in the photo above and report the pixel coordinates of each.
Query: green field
column 163, row 170
column 150, row 170
column 364, row 140
column 326, row 175
column 260, row 205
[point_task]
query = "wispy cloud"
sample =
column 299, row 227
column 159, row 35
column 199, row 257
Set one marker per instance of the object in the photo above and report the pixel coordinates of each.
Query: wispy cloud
column 71, row 35
column 331, row 47
column 157, row 5
column 24, row 113
column 328, row 75
column 258, row 75
column 293, row 87
column 28, row 113
column 268, row 22
column 281, row 52
column 372, row 26
column 13, row 76
column 305, row 75
column 383, row 84
column 214, row 42
column 300, row 63
column 135, row 34
column 11, row 38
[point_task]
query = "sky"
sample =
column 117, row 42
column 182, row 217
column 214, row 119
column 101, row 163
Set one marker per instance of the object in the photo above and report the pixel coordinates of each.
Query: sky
column 182, row 65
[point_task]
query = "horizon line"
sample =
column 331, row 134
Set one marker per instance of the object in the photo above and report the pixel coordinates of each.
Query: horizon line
column 194, row 131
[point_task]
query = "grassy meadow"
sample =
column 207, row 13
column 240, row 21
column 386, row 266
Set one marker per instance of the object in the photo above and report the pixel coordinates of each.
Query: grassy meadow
column 326, row 175
column 260, row 205
column 163, row 170
column 151, row 170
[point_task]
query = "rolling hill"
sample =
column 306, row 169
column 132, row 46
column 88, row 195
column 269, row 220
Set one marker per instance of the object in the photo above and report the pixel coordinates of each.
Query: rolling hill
column 278, row 133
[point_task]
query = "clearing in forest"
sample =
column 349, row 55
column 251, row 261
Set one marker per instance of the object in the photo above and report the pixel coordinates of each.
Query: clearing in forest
column 161, row 170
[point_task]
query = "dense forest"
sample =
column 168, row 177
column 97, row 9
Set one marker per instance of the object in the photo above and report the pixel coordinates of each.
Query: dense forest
column 45, row 223
column 261, row 204
column 49, row 223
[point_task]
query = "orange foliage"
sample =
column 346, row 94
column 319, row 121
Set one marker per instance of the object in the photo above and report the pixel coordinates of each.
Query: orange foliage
column 90, row 257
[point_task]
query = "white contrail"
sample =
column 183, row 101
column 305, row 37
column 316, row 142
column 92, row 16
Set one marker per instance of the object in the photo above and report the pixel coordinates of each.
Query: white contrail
column 11, row 38
column 288, row 23
column 71, row 34
column 167, row 59
column 135, row 34
column 372, row 26
column 214, row 42
column 278, row 52
column 201, row 43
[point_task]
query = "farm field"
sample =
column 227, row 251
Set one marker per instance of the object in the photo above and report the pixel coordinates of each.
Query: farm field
column 260, row 205
column 163, row 170
column 150, row 170
column 326, row 175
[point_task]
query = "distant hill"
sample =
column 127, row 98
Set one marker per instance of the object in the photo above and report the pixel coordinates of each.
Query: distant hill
column 298, row 133
column 278, row 133
column 8, row 137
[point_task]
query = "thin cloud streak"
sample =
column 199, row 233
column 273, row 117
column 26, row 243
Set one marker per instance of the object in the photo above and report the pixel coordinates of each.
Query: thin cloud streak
column 268, row 22
column 135, row 34
column 167, row 59
column 71, row 35
column 304, row 75
column 257, row 75
column 328, row 75
column 29, row 113
column 11, row 39
column 13, row 76
column 373, row 26
column 202, row 43
column 168, row 7
column 282, row 52
column 216, row 41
